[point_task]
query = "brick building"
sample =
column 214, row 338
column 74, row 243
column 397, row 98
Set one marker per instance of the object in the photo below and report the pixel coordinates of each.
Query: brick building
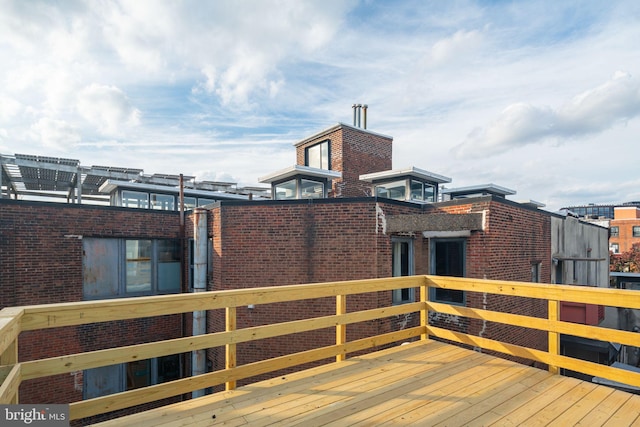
column 340, row 213
column 624, row 229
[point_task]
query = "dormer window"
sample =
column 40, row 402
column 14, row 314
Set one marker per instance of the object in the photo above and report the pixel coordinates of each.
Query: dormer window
column 318, row 156
column 299, row 188
column 300, row 182
column 412, row 185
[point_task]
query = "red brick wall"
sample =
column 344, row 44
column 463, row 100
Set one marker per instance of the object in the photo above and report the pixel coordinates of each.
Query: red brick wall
column 280, row 243
column 41, row 263
column 625, row 239
column 354, row 152
column 514, row 238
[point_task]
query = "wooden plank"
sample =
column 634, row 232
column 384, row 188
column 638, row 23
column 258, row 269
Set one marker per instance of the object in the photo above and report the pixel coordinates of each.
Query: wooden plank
column 602, row 412
column 553, row 337
column 590, row 295
column 84, row 312
column 590, row 368
column 463, row 398
column 385, row 406
column 319, row 405
column 9, row 330
column 267, row 389
column 539, row 403
column 424, row 312
column 627, row 414
column 94, row 359
column 582, row 407
column 10, row 384
column 586, row 331
column 99, row 405
column 502, row 393
column 559, row 406
column 230, row 348
column 341, row 329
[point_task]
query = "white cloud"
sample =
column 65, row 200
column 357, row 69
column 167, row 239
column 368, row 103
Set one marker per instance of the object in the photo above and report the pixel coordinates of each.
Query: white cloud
column 55, row 134
column 107, row 108
column 458, row 46
column 9, row 108
column 593, row 111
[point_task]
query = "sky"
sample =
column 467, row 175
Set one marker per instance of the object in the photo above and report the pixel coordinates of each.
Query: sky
column 541, row 97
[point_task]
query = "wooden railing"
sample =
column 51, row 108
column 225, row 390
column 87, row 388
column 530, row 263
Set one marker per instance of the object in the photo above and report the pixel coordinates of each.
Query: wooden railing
column 13, row 321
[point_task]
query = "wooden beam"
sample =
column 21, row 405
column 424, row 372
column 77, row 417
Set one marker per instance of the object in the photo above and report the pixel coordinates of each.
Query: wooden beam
column 230, row 348
column 341, row 328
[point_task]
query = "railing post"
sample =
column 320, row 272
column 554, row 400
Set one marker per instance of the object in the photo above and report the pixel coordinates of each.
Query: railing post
column 424, row 311
column 230, row 349
column 10, row 358
column 341, row 329
column 554, row 337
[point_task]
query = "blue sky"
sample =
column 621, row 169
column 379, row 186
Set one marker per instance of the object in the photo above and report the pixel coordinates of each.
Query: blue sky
column 542, row 97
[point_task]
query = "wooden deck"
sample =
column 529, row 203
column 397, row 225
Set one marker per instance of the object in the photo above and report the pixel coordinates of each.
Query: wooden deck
column 424, row 383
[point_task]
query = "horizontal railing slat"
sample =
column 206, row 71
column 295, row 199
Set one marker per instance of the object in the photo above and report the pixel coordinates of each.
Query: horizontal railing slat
column 87, row 408
column 570, row 293
column 85, row 312
column 94, row 359
column 590, row 368
column 567, row 328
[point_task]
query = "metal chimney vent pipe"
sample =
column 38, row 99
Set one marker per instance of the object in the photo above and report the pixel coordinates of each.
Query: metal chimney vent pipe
column 354, row 113
column 364, row 108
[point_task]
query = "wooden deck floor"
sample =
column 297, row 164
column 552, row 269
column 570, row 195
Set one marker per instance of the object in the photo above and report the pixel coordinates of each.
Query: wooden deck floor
column 426, row 383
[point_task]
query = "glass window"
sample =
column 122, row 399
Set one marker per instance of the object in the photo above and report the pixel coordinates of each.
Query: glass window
column 168, row 266
column 138, row 374
column 402, row 265
column 111, row 379
column 417, row 190
column 135, row 199
column 286, row 190
column 448, row 259
column 615, row 231
column 189, row 203
column 203, row 202
column 636, row 231
column 311, row 189
column 615, row 248
column 429, row 193
column 392, row 190
column 138, row 259
column 317, row 156
column 163, row 202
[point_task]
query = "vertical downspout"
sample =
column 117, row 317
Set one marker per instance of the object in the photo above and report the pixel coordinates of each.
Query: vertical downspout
column 198, row 357
column 79, row 186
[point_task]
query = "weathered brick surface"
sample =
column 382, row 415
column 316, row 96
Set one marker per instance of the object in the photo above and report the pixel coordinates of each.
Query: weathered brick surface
column 354, row 152
column 41, row 263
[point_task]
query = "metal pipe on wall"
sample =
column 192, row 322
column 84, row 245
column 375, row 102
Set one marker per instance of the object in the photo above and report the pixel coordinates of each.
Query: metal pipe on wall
column 198, row 357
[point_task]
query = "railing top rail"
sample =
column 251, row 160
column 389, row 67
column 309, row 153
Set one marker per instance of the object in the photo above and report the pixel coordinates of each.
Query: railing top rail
column 10, row 318
column 569, row 293
column 85, row 312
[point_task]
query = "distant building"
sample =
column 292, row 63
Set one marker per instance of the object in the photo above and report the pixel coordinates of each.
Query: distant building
column 624, row 228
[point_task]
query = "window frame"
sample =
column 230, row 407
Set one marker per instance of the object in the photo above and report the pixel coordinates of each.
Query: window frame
column 319, row 146
column 635, row 231
column 121, row 370
column 397, row 295
column 433, row 292
column 117, row 267
column 614, row 231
